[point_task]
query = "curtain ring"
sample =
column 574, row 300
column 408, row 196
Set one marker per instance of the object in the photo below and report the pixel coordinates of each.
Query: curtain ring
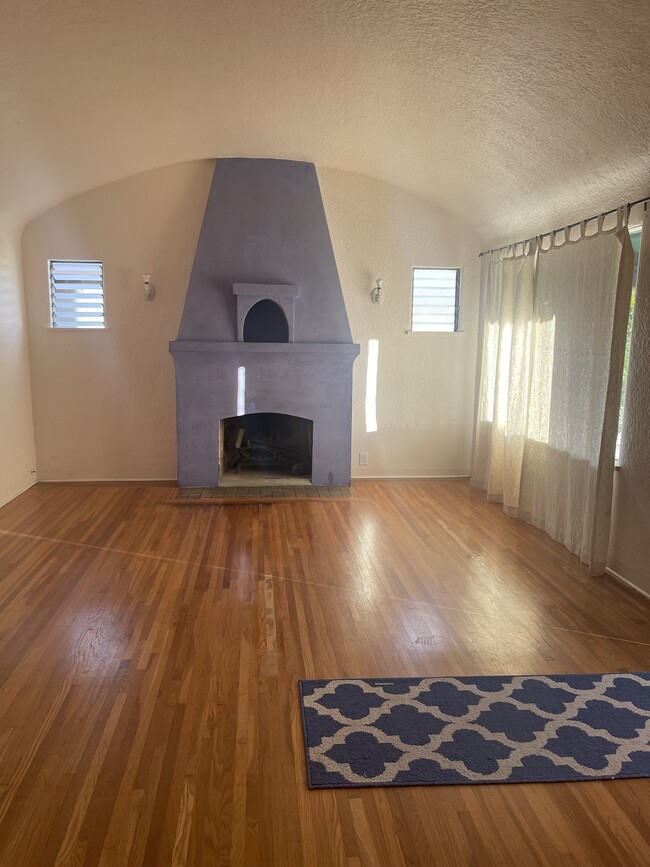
column 620, row 218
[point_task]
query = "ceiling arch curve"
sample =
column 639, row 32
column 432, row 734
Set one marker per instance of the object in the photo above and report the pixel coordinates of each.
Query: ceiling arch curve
column 514, row 116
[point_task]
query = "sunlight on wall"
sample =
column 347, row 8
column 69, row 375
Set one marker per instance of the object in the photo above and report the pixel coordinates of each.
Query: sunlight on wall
column 371, row 386
column 241, row 391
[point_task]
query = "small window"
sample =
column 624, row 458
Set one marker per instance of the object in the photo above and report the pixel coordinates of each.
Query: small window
column 76, row 294
column 436, row 299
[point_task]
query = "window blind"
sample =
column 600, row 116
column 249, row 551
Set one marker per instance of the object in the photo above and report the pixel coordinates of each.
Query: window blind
column 436, row 299
column 76, row 294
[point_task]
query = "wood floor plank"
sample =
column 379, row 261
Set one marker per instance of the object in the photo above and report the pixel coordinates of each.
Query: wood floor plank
column 149, row 659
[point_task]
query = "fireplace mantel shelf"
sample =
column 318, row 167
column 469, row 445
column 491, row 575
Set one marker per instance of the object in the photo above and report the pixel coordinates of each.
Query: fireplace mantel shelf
column 239, row 347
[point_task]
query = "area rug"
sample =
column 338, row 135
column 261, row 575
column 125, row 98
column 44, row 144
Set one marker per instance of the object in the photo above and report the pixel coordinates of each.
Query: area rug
column 450, row 730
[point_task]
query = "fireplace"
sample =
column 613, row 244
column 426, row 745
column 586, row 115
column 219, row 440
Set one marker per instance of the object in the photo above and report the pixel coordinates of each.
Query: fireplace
column 264, row 345
column 264, row 447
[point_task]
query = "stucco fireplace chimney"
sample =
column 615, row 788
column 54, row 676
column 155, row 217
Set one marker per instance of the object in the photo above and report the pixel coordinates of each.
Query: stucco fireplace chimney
column 264, row 327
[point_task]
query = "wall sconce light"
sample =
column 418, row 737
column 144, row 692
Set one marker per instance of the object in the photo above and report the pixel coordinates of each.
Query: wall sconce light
column 149, row 291
column 376, row 294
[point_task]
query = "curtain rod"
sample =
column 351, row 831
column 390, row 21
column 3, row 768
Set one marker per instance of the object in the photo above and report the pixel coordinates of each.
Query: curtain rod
column 629, row 207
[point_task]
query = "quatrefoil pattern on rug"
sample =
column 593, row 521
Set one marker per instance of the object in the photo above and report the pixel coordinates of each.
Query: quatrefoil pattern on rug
column 437, row 730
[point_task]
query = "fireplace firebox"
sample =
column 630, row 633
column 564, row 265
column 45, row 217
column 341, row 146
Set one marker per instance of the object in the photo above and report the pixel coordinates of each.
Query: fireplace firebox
column 265, row 443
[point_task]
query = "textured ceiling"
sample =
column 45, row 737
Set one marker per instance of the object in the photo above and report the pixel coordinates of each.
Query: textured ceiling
column 517, row 116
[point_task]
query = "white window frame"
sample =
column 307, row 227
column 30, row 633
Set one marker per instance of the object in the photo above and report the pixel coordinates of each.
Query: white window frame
column 51, row 295
column 457, row 306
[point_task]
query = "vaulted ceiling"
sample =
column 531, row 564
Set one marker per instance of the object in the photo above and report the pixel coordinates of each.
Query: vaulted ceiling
column 515, row 115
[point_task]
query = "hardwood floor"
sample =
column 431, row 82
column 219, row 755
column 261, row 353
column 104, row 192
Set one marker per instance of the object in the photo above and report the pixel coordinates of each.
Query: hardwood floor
column 149, row 655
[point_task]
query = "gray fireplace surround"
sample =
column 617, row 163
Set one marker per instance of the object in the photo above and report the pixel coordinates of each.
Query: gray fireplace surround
column 264, row 238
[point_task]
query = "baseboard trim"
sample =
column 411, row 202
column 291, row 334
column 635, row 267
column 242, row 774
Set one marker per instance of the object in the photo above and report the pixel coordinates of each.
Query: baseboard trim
column 361, row 478
column 17, row 494
column 107, row 481
column 625, row 581
column 355, row 478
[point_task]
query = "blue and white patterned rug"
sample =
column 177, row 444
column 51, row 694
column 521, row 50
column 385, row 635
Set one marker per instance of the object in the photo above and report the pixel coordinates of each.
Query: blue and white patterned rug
column 436, row 730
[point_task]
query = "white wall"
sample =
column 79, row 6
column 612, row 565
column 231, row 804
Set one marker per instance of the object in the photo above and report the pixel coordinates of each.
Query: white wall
column 104, row 403
column 17, row 458
column 425, row 388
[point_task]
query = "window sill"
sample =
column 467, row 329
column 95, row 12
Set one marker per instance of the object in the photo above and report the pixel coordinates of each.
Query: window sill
column 68, row 330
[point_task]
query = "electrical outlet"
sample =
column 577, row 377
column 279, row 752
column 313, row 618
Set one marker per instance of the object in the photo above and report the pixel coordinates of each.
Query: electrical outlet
column 363, row 459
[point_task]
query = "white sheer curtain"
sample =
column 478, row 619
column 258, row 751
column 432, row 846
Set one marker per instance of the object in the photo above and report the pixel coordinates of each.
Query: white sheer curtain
column 553, row 353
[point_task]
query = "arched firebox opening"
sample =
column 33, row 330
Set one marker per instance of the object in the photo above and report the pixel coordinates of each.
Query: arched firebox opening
column 265, row 322
column 265, row 448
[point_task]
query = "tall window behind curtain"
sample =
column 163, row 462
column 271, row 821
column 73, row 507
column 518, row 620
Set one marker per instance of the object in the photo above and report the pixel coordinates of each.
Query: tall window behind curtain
column 550, row 386
column 503, row 400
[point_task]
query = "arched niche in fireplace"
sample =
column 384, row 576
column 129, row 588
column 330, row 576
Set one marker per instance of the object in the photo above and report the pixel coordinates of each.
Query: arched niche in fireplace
column 265, row 312
column 262, row 446
column 266, row 322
